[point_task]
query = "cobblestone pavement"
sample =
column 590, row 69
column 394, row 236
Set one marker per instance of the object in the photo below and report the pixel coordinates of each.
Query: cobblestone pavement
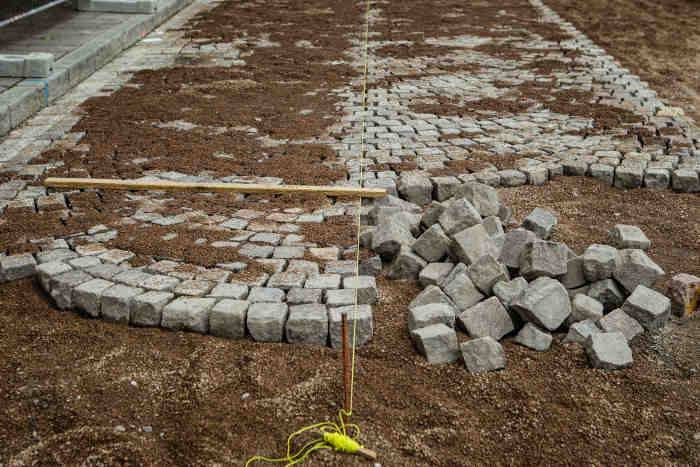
column 506, row 96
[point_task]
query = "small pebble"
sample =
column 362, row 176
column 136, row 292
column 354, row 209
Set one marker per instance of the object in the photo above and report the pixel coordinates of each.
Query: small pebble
column 245, row 396
column 120, row 429
column 147, row 429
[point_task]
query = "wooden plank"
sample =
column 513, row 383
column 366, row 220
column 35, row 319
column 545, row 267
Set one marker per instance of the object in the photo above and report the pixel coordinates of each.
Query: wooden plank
column 251, row 188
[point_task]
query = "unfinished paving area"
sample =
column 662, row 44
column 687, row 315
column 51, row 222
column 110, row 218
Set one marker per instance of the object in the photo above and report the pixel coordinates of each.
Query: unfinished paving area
column 509, row 97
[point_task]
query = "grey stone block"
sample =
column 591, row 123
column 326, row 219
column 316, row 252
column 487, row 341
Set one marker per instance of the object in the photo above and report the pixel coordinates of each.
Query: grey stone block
column 434, row 273
column 619, row 321
column 545, row 302
column 683, row 289
column 188, row 314
column 266, row 321
column 228, row 318
column 16, row 267
column 599, row 262
column 493, row 226
column 485, row 272
column 307, row 324
column 432, row 213
column 366, row 286
column 87, row 296
column 147, row 308
column 132, row 277
column 84, row 262
column 62, row 286
column 252, row 250
column 38, row 65
column 584, row 307
column 341, row 297
column 483, row 354
column 46, row 271
column 514, row 243
column 104, row 271
column 433, row 313
column 603, row 173
column 462, row 291
column 628, row 177
column 483, row 197
column 287, row 280
column 444, row 187
column 390, row 237
column 634, row 267
column 574, row 276
column 608, row 293
column 512, row 178
column 460, row 214
column 117, row 303
column 301, row 296
column 543, row 259
column 608, row 350
column 431, row 294
column 472, row 243
column 507, row 291
column 541, row 222
column 657, row 179
column 534, row 338
column 650, row 308
column 416, row 189
column 488, row 318
column 579, row 331
column 437, row 343
column 406, row 265
column 159, row 283
column 266, row 295
column 685, row 180
column 432, row 245
column 194, row 288
column 364, row 327
column 628, row 236
column 324, row 281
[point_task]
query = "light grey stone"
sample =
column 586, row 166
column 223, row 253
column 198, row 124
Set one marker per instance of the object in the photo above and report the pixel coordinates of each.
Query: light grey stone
column 603, row 173
column 493, row 226
column 507, row 291
column 432, row 245
column 472, row 243
column 650, row 308
column 302, row 296
column 512, row 178
column 685, row 180
column 390, row 237
column 628, row 236
column 460, row 214
column 485, row 272
column 541, row 222
column 87, row 296
column 657, row 179
column 417, row 189
column 307, row 324
column 287, row 280
column 46, row 271
column 579, row 331
column 104, row 271
column 406, row 265
column 483, row 197
column 132, row 277
column 444, row 187
column 488, row 318
column 62, row 286
column 117, row 303
column 266, row 294
column 584, row 307
column 16, row 267
column 619, row 321
column 432, row 214
column 514, row 243
column 682, row 290
column 233, row 291
column 433, row 313
column 434, row 273
column 159, row 283
column 574, row 276
column 366, row 286
column 341, row 297
column 483, row 354
column 437, row 343
column 599, row 262
column 252, row 250
column 634, row 267
column 364, row 327
column 543, row 258
column 228, row 318
column 188, row 314
column 84, row 262
column 116, row 256
column 462, row 291
column 608, row 350
column 59, row 254
column 534, row 338
column 266, row 321
column 608, row 293
column 545, row 302
column 324, row 281
column 147, row 308
column 194, row 288
column 431, row 294
column 628, row 177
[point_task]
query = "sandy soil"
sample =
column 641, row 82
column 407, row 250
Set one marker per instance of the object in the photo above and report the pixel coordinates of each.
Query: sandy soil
column 659, row 41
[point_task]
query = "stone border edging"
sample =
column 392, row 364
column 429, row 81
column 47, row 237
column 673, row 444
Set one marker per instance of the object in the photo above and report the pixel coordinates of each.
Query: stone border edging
column 31, row 95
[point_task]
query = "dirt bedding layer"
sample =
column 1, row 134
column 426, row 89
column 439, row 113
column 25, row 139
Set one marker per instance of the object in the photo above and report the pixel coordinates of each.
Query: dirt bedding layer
column 659, row 41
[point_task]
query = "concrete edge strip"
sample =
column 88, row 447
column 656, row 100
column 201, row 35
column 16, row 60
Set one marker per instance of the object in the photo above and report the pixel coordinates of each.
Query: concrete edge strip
column 31, row 95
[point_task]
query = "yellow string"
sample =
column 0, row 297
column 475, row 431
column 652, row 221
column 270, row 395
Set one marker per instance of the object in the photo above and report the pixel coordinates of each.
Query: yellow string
column 331, row 435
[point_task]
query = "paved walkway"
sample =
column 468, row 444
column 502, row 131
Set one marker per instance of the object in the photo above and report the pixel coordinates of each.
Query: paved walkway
column 505, row 96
